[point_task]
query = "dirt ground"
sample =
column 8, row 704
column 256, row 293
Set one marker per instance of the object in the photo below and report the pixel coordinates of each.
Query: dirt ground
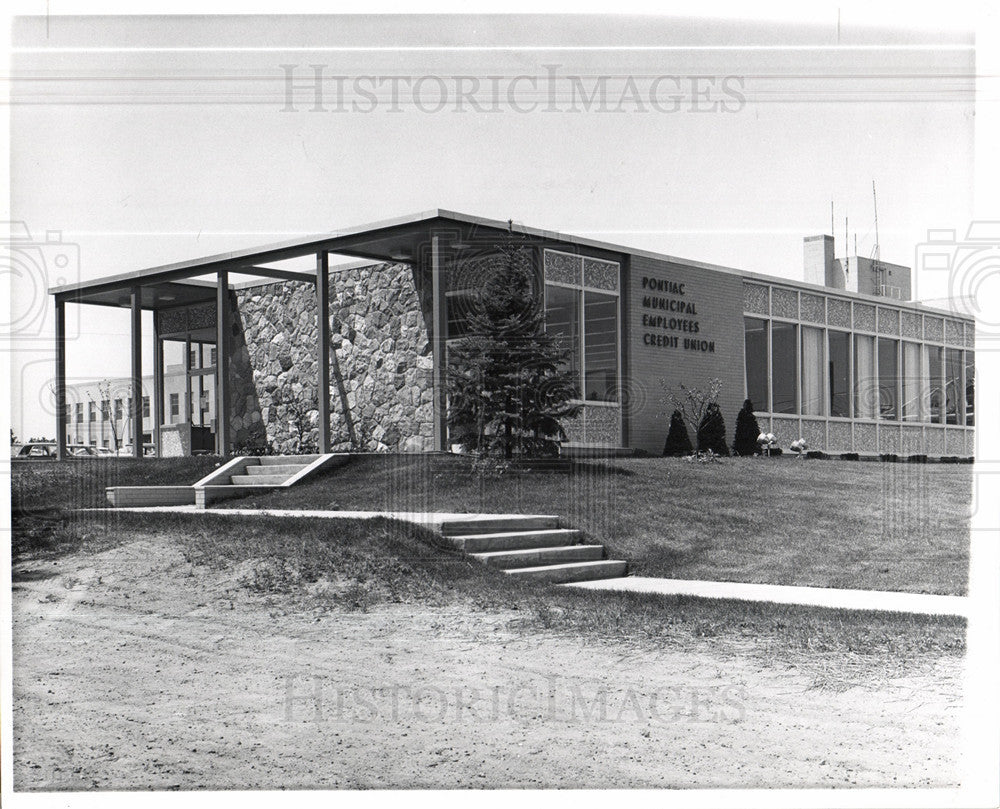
column 135, row 670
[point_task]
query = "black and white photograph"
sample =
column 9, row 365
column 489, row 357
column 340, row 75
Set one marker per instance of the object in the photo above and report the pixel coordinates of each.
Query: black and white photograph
column 559, row 399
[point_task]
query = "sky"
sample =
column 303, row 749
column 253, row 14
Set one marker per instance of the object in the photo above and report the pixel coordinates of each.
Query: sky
column 145, row 141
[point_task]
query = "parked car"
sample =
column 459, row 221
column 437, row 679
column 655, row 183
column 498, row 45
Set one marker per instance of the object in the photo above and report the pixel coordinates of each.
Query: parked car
column 89, row 451
column 46, row 450
column 148, row 451
column 33, row 451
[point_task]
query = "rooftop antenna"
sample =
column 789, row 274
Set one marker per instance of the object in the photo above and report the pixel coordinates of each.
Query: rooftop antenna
column 847, row 260
column 877, row 250
column 833, row 233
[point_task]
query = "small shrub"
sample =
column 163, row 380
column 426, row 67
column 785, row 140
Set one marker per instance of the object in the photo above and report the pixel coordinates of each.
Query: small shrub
column 489, row 466
column 747, row 431
column 712, row 431
column 678, row 442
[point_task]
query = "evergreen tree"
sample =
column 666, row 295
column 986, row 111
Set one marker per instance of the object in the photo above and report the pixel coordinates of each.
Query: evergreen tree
column 712, row 431
column 678, row 442
column 747, row 431
column 508, row 383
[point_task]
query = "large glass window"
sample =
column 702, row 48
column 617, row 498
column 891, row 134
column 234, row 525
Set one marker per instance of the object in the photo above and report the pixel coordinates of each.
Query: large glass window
column 581, row 307
column 600, row 342
column 784, row 361
column 936, row 383
column 865, row 380
column 755, row 358
column 970, row 388
column 812, row 371
column 888, row 379
column 562, row 318
column 914, row 385
column 840, row 380
column 953, row 386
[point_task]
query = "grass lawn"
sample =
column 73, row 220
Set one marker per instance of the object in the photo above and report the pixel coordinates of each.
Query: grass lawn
column 878, row 526
column 302, row 565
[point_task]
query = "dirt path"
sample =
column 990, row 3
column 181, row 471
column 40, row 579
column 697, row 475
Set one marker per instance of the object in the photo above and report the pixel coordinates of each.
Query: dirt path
column 134, row 670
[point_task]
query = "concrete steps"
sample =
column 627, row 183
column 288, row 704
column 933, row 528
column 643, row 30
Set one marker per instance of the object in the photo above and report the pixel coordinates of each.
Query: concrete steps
column 251, row 474
column 252, row 479
column 537, row 557
column 285, row 470
column 532, row 547
column 577, row 571
column 488, row 524
column 274, row 472
column 513, row 540
column 239, row 477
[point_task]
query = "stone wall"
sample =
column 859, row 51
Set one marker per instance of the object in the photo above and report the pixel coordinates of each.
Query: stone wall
column 380, row 364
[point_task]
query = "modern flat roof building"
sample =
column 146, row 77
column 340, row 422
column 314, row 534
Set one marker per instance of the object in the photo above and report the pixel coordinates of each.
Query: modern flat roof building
column 342, row 357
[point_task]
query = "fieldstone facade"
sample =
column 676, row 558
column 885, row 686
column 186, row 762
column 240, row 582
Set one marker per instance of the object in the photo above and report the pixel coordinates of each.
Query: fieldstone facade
column 381, row 385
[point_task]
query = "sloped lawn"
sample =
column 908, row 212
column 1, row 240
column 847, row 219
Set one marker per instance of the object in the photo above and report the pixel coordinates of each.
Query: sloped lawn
column 879, row 526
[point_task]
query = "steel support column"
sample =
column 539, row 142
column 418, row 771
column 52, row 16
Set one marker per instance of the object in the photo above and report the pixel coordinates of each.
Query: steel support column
column 157, row 410
column 223, row 338
column 323, row 347
column 60, row 379
column 136, row 381
column 439, row 335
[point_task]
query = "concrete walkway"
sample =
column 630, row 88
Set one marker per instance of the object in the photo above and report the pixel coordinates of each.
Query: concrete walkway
column 428, row 518
column 880, row 600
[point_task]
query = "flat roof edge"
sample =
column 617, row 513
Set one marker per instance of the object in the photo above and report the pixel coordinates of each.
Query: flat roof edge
column 150, row 274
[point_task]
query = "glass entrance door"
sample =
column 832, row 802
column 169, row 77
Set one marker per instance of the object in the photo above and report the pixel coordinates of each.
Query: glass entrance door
column 188, row 385
column 201, row 395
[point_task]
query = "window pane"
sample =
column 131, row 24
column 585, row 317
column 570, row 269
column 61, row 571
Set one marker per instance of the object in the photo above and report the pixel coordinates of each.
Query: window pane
column 601, row 347
column 812, row 371
column 459, row 306
column 914, row 384
column 934, row 368
column 953, row 385
column 783, row 368
column 970, row 388
column 840, row 382
column 755, row 354
column 888, row 379
column 865, row 381
column 562, row 318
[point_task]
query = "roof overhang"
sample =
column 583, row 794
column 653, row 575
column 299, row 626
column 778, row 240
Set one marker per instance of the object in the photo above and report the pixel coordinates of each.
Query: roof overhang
column 406, row 239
